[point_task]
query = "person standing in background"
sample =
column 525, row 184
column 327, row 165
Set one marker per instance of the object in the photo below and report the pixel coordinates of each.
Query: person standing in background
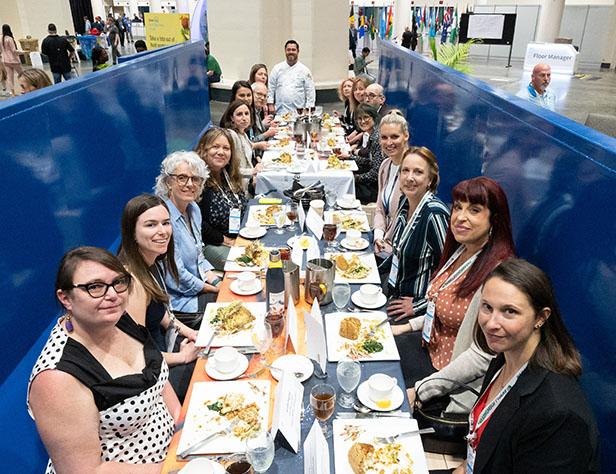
column 407, row 36
column 59, row 52
column 10, row 57
column 113, row 36
column 352, row 39
column 87, row 25
column 537, row 90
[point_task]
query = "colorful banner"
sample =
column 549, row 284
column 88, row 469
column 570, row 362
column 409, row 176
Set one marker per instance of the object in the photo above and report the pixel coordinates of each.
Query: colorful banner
column 163, row 29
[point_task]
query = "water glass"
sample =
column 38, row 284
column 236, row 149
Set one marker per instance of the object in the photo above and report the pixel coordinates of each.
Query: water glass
column 262, row 338
column 348, row 372
column 280, row 218
column 260, row 450
column 323, row 404
column 341, row 295
column 331, row 199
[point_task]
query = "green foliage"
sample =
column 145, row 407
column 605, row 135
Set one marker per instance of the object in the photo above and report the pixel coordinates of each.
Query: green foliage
column 456, row 55
column 432, row 41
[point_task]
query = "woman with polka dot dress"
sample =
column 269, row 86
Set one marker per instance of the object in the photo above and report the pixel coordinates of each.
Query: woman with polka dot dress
column 99, row 392
column 440, row 343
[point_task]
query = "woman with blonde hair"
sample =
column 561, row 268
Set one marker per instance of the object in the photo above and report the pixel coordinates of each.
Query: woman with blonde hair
column 33, row 79
column 344, row 94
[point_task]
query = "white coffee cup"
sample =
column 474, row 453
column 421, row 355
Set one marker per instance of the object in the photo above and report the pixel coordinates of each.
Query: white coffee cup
column 226, row 359
column 318, row 205
column 253, row 228
column 348, row 199
column 353, row 236
column 381, row 387
column 369, row 293
column 246, row 281
column 198, row 466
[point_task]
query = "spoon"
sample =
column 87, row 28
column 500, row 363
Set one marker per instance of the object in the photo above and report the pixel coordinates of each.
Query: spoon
column 361, row 408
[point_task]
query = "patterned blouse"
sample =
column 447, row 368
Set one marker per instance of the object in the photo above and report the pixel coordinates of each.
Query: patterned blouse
column 369, row 160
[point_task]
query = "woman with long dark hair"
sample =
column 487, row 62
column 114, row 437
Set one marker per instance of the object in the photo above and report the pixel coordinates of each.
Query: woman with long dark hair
column 10, row 56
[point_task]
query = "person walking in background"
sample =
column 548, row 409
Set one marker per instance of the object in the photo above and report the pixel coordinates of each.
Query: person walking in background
column 10, row 57
column 87, row 25
column 127, row 26
column 113, row 34
column 120, row 25
column 59, row 52
column 407, row 36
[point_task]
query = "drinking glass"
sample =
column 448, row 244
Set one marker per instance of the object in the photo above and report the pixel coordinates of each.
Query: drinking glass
column 238, row 464
column 260, row 450
column 280, row 218
column 329, row 235
column 323, row 403
column 292, row 214
column 331, row 198
column 341, row 295
column 276, row 321
column 262, row 338
column 348, row 372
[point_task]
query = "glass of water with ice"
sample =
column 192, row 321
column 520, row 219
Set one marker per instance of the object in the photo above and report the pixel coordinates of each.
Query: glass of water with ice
column 348, row 373
column 260, row 450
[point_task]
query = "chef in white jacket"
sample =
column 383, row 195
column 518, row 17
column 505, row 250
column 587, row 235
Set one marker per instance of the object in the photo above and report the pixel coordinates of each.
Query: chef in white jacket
column 291, row 85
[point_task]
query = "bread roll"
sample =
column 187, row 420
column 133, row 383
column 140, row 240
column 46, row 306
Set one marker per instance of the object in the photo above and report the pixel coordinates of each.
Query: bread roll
column 349, row 328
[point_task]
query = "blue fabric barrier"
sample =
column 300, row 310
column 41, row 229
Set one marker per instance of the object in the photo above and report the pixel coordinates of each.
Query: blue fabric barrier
column 73, row 154
column 560, row 180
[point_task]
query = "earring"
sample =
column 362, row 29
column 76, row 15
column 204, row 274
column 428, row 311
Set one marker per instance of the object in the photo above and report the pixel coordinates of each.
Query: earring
column 67, row 322
column 538, row 326
column 490, row 233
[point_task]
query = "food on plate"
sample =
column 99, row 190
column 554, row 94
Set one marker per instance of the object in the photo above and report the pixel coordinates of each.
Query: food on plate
column 335, row 163
column 331, row 142
column 350, row 266
column 285, row 158
column 286, row 116
column 231, row 406
column 326, row 116
column 362, row 346
column 364, row 458
column 254, row 255
column 232, row 319
column 266, row 216
column 349, row 328
column 348, row 221
column 284, row 141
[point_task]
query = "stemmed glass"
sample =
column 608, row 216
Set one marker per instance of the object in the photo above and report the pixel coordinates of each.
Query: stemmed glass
column 323, row 403
column 341, row 295
column 280, row 218
column 348, row 372
column 292, row 214
column 331, row 198
column 262, row 338
column 260, row 450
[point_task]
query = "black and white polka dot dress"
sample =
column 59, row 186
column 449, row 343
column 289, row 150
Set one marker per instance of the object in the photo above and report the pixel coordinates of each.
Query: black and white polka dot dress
column 135, row 425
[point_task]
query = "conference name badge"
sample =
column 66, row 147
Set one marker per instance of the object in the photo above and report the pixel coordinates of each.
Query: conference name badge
column 235, row 218
column 428, row 321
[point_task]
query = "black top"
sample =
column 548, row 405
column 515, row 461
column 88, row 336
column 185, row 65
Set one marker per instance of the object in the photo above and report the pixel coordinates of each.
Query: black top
column 215, row 206
column 57, row 49
column 154, row 314
column 107, row 391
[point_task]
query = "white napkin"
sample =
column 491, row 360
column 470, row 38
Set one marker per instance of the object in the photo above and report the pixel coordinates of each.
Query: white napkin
column 313, row 251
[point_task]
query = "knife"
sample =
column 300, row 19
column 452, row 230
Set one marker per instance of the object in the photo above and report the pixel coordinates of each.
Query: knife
column 374, row 414
column 201, row 443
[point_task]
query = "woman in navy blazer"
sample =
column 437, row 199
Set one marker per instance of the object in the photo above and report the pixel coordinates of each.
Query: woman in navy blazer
column 532, row 415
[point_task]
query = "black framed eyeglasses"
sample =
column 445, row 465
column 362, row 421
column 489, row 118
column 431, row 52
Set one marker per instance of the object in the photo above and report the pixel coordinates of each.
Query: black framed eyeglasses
column 183, row 179
column 364, row 118
column 98, row 289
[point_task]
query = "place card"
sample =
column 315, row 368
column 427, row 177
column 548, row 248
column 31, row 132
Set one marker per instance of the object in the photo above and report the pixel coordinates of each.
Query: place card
column 316, row 451
column 314, row 223
column 291, row 325
column 315, row 338
column 287, row 409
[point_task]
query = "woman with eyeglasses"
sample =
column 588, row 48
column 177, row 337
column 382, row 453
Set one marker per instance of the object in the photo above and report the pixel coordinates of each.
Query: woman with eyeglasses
column 147, row 251
column 180, row 183
column 99, row 392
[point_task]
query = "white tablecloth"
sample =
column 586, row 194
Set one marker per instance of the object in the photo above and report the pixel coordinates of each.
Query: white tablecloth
column 339, row 181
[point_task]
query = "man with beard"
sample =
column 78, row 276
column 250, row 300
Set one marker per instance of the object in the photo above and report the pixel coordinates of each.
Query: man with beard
column 537, row 90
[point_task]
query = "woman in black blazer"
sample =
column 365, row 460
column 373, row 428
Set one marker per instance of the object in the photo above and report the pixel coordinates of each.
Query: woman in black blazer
column 532, row 415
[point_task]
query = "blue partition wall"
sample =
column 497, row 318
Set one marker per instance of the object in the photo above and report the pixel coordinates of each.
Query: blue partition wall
column 72, row 155
column 560, row 180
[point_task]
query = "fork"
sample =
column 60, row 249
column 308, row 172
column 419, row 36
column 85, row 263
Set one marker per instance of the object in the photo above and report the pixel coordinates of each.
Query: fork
column 373, row 330
column 195, row 447
column 298, row 375
column 392, row 438
column 252, row 376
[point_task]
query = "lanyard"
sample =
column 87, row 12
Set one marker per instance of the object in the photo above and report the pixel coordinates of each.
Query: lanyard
column 224, row 193
column 386, row 197
column 489, row 409
column 455, row 275
column 410, row 226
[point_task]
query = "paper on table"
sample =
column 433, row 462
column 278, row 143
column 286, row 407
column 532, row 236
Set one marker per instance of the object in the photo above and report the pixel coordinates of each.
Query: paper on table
column 315, row 339
column 314, row 223
column 292, row 325
column 316, row 451
column 287, row 409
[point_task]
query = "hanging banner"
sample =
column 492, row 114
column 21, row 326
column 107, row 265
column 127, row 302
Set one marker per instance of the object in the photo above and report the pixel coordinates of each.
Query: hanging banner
column 163, row 29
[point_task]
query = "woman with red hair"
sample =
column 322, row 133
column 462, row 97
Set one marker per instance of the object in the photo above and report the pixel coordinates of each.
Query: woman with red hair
column 440, row 344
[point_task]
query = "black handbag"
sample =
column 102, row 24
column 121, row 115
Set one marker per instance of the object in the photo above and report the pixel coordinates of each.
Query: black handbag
column 450, row 429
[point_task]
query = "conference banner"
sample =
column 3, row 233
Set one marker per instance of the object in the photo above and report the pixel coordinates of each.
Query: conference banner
column 164, row 29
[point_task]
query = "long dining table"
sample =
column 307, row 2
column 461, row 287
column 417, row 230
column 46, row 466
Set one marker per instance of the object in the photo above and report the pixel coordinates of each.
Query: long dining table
column 285, row 460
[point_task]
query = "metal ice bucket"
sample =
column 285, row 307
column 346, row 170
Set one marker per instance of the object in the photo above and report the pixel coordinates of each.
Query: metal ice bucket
column 319, row 270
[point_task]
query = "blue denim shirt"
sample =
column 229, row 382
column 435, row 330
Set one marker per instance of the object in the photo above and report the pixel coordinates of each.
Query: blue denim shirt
column 183, row 295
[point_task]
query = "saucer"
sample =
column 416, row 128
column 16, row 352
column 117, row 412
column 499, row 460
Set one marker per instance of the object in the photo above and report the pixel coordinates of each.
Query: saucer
column 202, row 466
column 381, row 299
column 363, row 394
column 363, row 244
column 297, row 363
column 292, row 241
column 344, row 205
column 235, row 288
column 244, row 233
column 210, row 369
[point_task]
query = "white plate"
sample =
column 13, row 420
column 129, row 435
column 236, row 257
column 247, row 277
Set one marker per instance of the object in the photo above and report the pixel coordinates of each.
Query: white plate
column 336, row 349
column 343, row 205
column 381, row 299
column 235, row 288
column 244, row 233
column 240, row 339
column 367, row 429
column 201, row 421
column 352, row 167
column 297, row 363
column 360, row 244
column 363, row 393
column 368, row 260
column 232, row 266
column 242, row 365
column 202, row 466
column 260, row 208
column 292, row 241
column 360, row 215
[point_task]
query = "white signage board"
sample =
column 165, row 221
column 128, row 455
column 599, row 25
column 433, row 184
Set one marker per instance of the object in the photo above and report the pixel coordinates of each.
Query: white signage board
column 562, row 58
column 485, row 26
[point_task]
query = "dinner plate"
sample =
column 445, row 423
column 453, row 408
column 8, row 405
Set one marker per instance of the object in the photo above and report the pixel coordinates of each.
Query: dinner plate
column 202, row 466
column 356, row 214
column 380, row 301
column 235, row 288
column 363, row 393
column 297, row 363
column 210, row 369
column 360, row 244
column 244, row 233
column 352, row 166
column 340, row 203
